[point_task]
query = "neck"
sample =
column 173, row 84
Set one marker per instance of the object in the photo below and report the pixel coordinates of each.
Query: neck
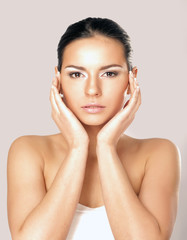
column 92, row 132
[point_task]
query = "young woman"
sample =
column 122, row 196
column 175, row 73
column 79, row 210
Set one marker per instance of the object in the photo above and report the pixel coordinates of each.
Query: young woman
column 92, row 181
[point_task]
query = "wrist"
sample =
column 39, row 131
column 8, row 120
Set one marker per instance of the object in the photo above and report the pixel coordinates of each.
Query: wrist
column 102, row 145
column 79, row 147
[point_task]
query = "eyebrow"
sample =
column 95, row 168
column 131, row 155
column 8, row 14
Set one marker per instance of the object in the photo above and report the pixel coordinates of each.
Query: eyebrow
column 104, row 67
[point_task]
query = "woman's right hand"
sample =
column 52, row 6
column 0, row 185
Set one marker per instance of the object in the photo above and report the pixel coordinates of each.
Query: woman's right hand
column 70, row 127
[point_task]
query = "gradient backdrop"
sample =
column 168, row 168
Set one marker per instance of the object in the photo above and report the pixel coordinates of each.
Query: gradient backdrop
column 30, row 31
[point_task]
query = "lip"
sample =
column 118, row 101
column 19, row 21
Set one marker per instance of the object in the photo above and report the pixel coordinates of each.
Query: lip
column 93, row 108
column 93, row 105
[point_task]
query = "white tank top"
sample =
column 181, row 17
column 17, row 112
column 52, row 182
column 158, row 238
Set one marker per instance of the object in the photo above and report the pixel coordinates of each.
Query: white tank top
column 90, row 224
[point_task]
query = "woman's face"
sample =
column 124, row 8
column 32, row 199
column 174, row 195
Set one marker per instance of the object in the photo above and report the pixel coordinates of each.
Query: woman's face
column 85, row 77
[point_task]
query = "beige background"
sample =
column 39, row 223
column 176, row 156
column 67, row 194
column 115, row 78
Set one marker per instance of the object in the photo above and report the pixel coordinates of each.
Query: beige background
column 30, row 31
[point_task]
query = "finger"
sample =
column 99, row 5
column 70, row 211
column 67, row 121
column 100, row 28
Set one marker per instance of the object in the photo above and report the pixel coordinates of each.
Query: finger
column 57, row 75
column 53, row 103
column 54, row 81
column 136, row 82
column 55, row 84
column 133, row 102
column 136, row 101
column 131, row 81
column 59, row 102
column 132, row 87
column 139, row 96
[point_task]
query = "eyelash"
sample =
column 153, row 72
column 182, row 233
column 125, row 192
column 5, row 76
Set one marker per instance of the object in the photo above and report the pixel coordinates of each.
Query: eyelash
column 71, row 74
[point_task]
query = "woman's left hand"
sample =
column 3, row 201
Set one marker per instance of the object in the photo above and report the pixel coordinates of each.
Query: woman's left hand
column 111, row 132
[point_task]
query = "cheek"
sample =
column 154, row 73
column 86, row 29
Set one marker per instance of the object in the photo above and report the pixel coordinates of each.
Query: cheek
column 117, row 90
column 116, row 94
column 115, row 101
column 72, row 96
column 69, row 89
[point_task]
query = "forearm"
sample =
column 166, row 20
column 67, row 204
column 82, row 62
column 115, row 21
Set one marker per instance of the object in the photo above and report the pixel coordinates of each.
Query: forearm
column 128, row 218
column 51, row 219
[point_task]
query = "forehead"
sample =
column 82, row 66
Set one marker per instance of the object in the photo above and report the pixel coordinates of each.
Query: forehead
column 94, row 50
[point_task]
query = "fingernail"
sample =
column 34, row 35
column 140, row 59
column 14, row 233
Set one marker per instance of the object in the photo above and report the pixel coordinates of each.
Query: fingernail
column 58, row 74
column 131, row 73
column 137, row 83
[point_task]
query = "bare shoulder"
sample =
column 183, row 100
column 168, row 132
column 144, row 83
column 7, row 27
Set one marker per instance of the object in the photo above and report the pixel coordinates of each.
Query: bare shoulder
column 26, row 145
column 160, row 144
column 34, row 141
column 150, row 147
column 36, row 150
column 159, row 158
column 24, row 152
column 160, row 185
column 37, row 144
column 162, row 151
column 163, row 154
column 164, row 158
column 26, row 184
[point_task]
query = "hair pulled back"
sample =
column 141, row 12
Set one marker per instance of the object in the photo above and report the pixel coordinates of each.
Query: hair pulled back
column 87, row 28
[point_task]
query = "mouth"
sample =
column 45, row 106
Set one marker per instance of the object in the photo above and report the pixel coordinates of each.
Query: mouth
column 93, row 109
column 93, row 105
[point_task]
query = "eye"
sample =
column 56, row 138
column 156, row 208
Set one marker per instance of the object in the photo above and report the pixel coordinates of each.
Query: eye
column 74, row 74
column 111, row 74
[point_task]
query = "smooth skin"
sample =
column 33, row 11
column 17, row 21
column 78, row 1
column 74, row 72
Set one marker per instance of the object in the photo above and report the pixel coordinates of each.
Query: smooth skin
column 91, row 160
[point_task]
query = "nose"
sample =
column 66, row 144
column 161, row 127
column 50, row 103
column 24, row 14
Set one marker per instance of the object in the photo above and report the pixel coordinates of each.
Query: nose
column 93, row 87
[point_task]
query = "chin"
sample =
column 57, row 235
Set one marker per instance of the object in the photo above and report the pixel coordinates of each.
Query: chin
column 95, row 119
column 93, row 124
